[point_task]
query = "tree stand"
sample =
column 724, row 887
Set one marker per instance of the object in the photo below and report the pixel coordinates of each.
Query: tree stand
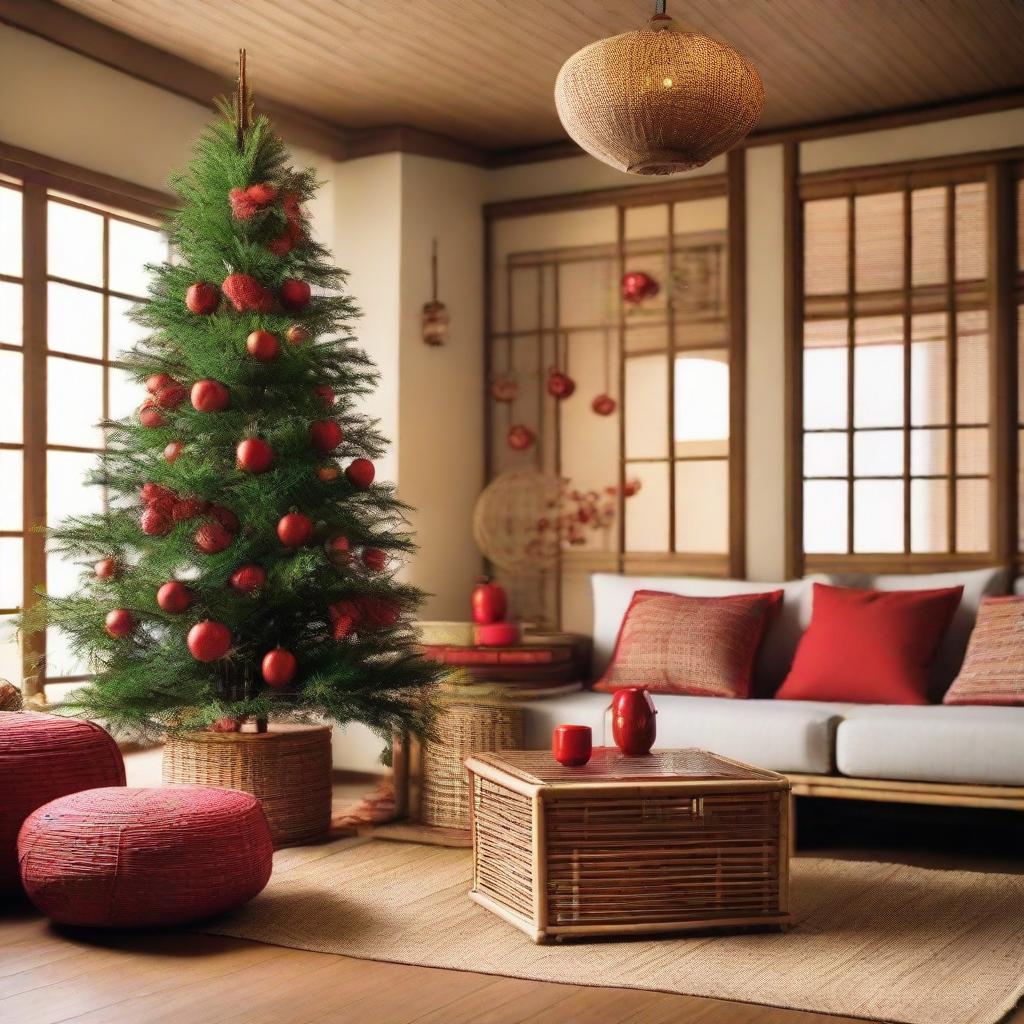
column 287, row 768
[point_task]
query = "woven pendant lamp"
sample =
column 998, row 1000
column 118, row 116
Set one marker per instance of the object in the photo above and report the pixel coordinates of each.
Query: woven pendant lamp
column 659, row 100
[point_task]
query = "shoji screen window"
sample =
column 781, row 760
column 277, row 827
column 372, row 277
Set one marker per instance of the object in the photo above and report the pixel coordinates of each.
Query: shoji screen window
column 896, row 374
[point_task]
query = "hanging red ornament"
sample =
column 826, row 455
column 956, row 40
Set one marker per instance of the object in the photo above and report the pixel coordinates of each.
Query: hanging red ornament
column 225, row 517
column 174, row 597
column 282, row 245
column 210, row 396
column 374, row 559
column 294, row 529
column 187, row 508
column 339, row 550
column 157, row 382
column 119, row 623
column 520, row 437
column 211, row 538
column 172, row 451
column 105, row 569
column 202, row 298
column 155, row 523
column 247, row 202
column 328, row 472
column 379, row 612
column 209, row 640
column 560, row 385
column 344, row 616
column 171, row 396
column 325, row 435
column 248, row 578
column 326, row 394
column 637, row 286
column 296, row 334
column 360, row 473
column 262, row 345
column 278, row 667
column 504, row 389
column 254, row 455
column 246, row 294
column 294, row 294
column 150, row 492
column 150, row 415
column 604, row 405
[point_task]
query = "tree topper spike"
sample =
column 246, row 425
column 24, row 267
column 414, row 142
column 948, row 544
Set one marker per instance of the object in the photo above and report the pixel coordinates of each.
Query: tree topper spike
column 243, row 102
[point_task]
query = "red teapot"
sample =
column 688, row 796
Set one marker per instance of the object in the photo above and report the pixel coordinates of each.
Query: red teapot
column 633, row 721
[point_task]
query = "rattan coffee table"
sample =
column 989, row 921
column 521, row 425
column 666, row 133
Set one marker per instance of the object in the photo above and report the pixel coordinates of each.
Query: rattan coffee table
column 675, row 841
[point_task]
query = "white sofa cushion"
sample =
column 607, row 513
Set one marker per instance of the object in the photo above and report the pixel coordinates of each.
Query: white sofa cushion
column 612, row 594
column 968, row 744
column 785, row 736
column 977, row 583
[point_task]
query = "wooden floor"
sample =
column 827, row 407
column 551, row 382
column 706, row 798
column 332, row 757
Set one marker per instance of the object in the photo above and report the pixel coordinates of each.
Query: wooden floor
column 48, row 976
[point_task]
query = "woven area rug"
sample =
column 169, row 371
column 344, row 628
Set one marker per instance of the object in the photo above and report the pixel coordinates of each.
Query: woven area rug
column 880, row 941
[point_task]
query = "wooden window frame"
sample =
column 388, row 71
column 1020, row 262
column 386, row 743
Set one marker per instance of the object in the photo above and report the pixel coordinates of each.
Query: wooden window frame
column 41, row 180
column 1000, row 170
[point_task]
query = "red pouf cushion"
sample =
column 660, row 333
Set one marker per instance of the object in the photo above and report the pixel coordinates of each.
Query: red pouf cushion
column 136, row 858
column 43, row 757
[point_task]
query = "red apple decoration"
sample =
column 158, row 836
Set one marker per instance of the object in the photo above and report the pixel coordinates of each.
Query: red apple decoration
column 262, row 345
column 157, row 382
column 155, row 523
column 325, row 435
column 247, row 202
column 225, row 517
column 339, row 550
column 119, row 623
column 247, row 579
column 105, row 569
column 151, row 492
column 149, row 415
column 560, row 385
column 254, row 455
column 209, row 640
column 374, row 559
column 520, row 437
column 326, row 394
column 604, row 405
column 360, row 473
column 294, row 294
column 278, row 667
column 210, row 396
column 296, row 334
column 185, row 509
column 174, row 597
column 637, row 286
column 202, row 298
column 489, row 601
column 246, row 294
column 172, row 451
column 212, row 538
column 295, row 529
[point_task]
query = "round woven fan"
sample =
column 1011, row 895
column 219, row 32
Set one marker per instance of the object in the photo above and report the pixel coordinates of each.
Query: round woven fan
column 515, row 521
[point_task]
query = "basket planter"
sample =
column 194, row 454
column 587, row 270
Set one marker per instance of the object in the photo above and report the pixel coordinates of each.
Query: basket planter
column 287, row 768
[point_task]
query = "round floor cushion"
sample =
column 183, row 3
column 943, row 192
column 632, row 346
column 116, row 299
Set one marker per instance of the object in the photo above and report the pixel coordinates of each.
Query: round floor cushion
column 131, row 858
column 43, row 757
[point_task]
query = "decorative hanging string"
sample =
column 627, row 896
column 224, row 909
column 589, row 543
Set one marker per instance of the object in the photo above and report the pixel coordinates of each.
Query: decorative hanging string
column 433, row 269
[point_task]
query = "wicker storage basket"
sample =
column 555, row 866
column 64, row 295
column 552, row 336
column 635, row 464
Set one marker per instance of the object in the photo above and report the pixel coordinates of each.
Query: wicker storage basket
column 677, row 840
column 287, row 768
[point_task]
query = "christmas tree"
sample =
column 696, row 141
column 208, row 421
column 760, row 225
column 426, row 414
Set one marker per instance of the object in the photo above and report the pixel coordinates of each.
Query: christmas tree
column 246, row 565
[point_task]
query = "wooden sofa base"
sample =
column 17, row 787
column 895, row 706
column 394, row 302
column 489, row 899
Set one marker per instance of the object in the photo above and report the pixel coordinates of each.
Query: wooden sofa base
column 944, row 794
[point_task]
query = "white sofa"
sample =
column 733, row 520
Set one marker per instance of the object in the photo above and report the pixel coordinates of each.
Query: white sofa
column 932, row 754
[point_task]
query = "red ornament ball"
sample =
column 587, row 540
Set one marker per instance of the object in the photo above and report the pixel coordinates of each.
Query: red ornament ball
column 246, row 294
column 149, row 415
column 157, row 382
column 604, row 405
column 105, row 569
column 262, row 345
column 339, row 550
column 520, row 437
column 378, row 612
column 172, row 451
column 247, row 202
column 248, row 578
column 360, row 473
column 171, row 396
column 202, row 298
column 278, row 667
column 211, row 538
column 325, row 435
column 187, row 508
column 296, row 334
column 294, row 294
column 637, row 286
column 225, row 517
column 119, row 623
column 254, row 455
column 327, row 473
column 295, row 529
column 155, row 523
column 326, row 394
column 560, row 385
column 375, row 559
column 209, row 640
column 152, row 492
column 210, row 396
column 174, row 597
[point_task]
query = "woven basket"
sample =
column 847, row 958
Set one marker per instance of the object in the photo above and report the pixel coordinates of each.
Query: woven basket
column 463, row 729
column 287, row 768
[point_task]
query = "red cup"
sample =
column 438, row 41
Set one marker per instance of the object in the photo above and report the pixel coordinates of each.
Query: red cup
column 572, row 745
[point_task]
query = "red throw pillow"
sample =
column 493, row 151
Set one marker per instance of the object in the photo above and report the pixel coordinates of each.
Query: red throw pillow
column 993, row 669
column 703, row 646
column 870, row 646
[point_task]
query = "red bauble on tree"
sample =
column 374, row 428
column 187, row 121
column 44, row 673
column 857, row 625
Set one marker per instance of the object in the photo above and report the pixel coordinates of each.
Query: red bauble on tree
column 637, row 286
column 211, row 538
column 294, row 295
column 151, row 492
column 246, row 294
column 225, row 517
column 157, row 382
column 325, row 435
column 262, row 345
column 247, row 579
column 344, row 616
column 560, row 385
column 254, row 455
column 171, row 396
column 119, row 623
column 187, row 508
column 209, row 640
column 296, row 334
column 603, row 405
column 295, row 529
column 326, row 394
column 278, row 667
column 202, row 298
column 105, row 569
column 174, row 597
column 379, row 612
column 375, row 559
column 360, row 473
column 520, row 437
column 172, row 451
column 155, row 523
column 247, row 202
column 210, row 396
column 149, row 415
column 339, row 550
column 328, row 472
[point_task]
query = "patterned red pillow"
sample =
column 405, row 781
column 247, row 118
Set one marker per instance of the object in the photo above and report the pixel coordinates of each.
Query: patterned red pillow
column 993, row 668
column 703, row 646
